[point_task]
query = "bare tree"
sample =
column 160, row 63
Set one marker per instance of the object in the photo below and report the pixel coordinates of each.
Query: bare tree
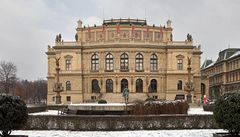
column 32, row 91
column 7, row 76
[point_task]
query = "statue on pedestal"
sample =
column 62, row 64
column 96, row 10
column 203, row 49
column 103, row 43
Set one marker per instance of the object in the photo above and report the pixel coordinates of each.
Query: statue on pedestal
column 58, row 38
column 125, row 94
column 76, row 37
column 58, row 86
column 189, row 86
column 189, row 38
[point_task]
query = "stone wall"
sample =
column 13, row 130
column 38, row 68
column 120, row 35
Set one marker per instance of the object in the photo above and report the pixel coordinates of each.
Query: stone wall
column 117, row 123
column 36, row 108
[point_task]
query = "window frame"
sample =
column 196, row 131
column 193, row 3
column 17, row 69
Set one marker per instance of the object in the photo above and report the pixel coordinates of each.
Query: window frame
column 94, row 62
column 95, row 86
column 109, row 62
column 68, row 86
column 124, row 83
column 139, row 62
column 153, row 86
column 139, row 86
column 68, row 63
column 179, row 64
column 153, row 62
column 124, row 62
column 109, row 86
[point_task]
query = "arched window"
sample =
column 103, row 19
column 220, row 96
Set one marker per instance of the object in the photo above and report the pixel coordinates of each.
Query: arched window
column 109, row 85
column 153, row 62
column 153, row 86
column 139, row 62
column 139, row 86
column 94, row 62
column 124, row 62
column 109, row 61
column 95, row 86
column 179, row 85
column 124, row 83
column 68, row 86
column 68, row 64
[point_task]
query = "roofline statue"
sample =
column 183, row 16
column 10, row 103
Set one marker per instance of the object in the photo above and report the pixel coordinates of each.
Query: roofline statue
column 76, row 37
column 189, row 38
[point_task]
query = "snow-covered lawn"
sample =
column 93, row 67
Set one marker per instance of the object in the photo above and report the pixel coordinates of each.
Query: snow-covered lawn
column 48, row 112
column 141, row 133
column 96, row 104
column 198, row 111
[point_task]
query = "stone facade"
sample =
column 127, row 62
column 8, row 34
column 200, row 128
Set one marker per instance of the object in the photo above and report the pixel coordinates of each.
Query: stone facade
column 223, row 75
column 123, row 53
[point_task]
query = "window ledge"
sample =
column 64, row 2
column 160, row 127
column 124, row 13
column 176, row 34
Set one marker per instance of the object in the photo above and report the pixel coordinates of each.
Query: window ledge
column 154, row 70
column 124, row 70
column 152, row 92
column 94, row 70
column 109, row 70
column 139, row 70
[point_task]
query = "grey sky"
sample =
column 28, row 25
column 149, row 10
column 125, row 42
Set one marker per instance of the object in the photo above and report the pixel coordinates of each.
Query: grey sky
column 28, row 26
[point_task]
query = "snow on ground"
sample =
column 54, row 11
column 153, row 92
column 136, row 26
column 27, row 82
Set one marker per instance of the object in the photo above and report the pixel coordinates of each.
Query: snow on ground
column 199, row 111
column 191, row 111
column 96, row 104
column 48, row 112
column 140, row 133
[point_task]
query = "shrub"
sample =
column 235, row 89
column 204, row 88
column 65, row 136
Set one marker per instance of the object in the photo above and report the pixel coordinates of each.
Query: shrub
column 102, row 101
column 159, row 107
column 150, row 99
column 13, row 114
column 227, row 112
column 208, row 107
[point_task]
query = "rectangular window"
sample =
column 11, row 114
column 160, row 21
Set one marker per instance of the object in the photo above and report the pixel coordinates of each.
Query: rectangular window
column 68, row 98
column 68, row 64
column 180, row 64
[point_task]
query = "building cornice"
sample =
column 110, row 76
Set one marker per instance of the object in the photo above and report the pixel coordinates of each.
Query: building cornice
column 51, row 53
column 67, row 47
column 148, row 46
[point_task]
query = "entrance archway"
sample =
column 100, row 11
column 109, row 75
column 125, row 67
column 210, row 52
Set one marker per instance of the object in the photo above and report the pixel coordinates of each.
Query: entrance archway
column 203, row 90
column 124, row 83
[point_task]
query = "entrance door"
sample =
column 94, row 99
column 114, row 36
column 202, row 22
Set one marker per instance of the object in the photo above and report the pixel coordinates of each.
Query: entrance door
column 124, row 83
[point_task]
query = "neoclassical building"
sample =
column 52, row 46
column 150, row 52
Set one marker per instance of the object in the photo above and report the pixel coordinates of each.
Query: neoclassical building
column 120, row 53
column 223, row 75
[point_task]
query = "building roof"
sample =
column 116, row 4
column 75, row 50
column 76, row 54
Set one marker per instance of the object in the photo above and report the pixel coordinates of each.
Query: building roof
column 223, row 55
column 207, row 63
column 227, row 53
column 125, row 22
column 235, row 54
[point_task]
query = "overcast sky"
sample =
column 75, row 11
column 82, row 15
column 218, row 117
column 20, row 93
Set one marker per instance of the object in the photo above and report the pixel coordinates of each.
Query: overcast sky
column 28, row 26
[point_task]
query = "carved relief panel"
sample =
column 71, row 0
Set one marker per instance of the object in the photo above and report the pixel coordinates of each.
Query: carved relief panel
column 89, row 36
column 138, row 34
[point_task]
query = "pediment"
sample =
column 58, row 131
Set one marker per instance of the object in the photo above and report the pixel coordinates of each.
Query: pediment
column 68, row 56
column 179, row 56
